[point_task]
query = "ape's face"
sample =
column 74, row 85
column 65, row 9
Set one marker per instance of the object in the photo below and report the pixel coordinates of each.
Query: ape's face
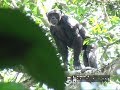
column 54, row 17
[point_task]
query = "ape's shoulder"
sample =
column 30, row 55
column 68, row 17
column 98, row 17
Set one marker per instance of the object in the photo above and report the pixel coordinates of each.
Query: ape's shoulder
column 69, row 20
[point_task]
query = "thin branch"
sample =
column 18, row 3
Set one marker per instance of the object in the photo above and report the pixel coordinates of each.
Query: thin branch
column 113, row 43
column 105, row 70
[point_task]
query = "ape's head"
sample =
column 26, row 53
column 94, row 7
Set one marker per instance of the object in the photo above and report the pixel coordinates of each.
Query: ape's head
column 54, row 16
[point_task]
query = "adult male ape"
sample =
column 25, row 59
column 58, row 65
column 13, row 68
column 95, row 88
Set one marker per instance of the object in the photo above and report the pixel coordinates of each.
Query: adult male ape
column 67, row 32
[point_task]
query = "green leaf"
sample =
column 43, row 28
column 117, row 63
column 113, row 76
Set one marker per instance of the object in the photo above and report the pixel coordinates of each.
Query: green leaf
column 24, row 42
column 12, row 86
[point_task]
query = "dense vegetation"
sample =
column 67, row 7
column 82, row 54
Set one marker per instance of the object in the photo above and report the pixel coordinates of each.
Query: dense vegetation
column 101, row 19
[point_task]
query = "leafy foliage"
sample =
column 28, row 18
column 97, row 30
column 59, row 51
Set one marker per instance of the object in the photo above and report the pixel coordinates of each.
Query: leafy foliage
column 23, row 42
column 102, row 19
column 11, row 86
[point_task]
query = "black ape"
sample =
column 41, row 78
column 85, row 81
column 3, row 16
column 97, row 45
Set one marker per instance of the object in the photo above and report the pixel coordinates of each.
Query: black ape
column 67, row 32
column 89, row 56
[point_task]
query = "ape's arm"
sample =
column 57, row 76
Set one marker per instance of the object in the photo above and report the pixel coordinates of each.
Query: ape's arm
column 61, row 46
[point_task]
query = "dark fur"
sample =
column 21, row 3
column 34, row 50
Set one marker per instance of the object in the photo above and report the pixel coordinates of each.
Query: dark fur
column 89, row 56
column 66, row 34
